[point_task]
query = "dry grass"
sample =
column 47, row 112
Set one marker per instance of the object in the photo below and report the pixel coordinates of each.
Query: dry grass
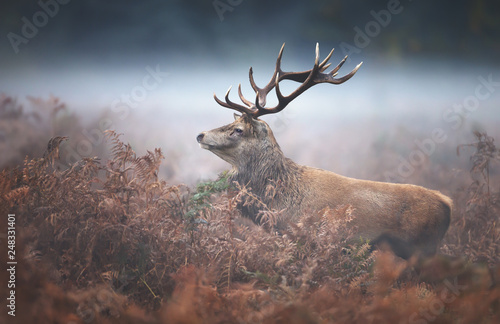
column 106, row 242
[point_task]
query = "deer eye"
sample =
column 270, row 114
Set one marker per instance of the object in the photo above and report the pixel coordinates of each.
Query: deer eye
column 238, row 131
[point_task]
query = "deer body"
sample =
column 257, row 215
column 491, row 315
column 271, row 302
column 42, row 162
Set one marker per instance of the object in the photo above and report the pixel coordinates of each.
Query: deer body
column 409, row 218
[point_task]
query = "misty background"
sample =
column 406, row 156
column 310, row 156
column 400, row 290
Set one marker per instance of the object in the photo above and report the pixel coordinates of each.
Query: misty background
column 149, row 70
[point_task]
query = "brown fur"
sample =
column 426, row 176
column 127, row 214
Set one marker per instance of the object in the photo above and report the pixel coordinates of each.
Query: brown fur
column 409, row 218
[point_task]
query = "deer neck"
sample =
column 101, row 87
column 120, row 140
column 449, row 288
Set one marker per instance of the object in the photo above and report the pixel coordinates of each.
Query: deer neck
column 265, row 166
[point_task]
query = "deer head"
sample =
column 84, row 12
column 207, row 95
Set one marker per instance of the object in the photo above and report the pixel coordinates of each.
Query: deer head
column 249, row 136
column 237, row 142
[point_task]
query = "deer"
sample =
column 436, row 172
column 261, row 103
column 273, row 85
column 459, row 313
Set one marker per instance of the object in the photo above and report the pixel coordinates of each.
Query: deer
column 410, row 219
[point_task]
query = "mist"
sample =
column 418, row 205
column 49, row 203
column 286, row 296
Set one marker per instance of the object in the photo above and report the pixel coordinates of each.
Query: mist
column 149, row 70
column 113, row 213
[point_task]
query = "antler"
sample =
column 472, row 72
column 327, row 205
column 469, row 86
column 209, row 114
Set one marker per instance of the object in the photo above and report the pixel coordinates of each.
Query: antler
column 308, row 79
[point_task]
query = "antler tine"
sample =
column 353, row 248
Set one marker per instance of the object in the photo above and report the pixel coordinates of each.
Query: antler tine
column 316, row 59
column 220, row 102
column 302, row 76
column 232, row 105
column 334, row 71
column 315, row 76
column 307, row 79
column 325, row 67
column 261, row 93
column 283, row 101
column 245, row 101
column 277, row 71
column 308, row 82
column 327, row 58
column 252, row 81
column 345, row 77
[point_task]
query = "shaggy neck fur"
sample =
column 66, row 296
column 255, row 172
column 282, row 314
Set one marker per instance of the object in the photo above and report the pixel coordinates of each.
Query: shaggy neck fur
column 270, row 175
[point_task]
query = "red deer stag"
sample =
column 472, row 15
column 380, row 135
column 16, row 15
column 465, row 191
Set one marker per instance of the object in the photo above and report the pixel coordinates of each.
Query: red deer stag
column 407, row 217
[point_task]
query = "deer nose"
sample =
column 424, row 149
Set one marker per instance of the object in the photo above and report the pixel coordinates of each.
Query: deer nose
column 199, row 138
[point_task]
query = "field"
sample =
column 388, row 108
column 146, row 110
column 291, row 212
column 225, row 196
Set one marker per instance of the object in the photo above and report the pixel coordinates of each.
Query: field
column 113, row 239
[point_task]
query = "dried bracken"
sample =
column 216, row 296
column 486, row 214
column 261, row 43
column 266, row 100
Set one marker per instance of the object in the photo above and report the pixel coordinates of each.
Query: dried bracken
column 109, row 242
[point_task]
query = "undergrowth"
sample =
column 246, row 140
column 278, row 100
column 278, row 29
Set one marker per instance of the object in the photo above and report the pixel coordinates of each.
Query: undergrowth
column 106, row 242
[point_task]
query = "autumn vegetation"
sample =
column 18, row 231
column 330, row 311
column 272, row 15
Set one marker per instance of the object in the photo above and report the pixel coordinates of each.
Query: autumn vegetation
column 108, row 241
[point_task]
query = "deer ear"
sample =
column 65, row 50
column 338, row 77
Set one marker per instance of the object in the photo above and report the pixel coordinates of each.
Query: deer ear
column 236, row 116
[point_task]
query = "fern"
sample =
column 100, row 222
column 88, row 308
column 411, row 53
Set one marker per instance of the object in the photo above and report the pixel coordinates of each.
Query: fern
column 113, row 234
column 200, row 203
